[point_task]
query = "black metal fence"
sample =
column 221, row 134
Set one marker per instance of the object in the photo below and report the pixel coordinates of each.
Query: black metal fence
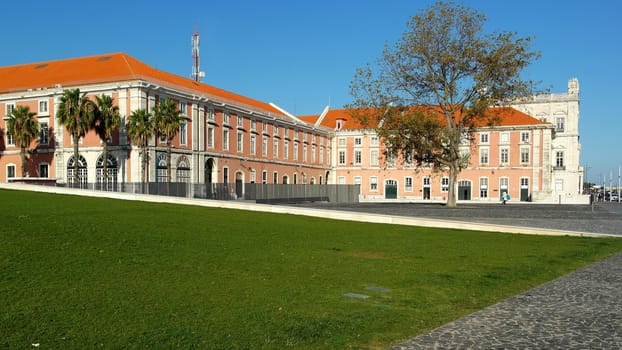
column 260, row 193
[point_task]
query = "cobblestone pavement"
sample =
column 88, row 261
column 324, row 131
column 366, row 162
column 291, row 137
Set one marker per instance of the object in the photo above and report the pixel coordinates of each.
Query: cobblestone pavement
column 581, row 310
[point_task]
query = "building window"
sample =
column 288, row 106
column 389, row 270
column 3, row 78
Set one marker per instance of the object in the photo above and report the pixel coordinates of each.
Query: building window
column 275, row 177
column 183, row 108
column 560, row 124
column 559, row 159
column 342, row 157
column 225, row 139
column 483, row 187
column 183, row 133
column 253, row 144
column 342, row 141
column 341, row 180
column 524, row 155
column 285, row 149
column 44, row 134
column 373, row 157
column 240, row 121
column 225, row 118
column 210, row 137
column 483, row 156
column 321, row 154
column 253, row 176
column 43, row 170
column 295, row 150
column 264, row 177
column 304, row 152
column 524, row 137
column 374, row 140
column 225, row 175
column 240, row 141
column 505, row 138
column 357, row 157
column 357, row 180
column 210, row 114
column 373, row 183
column 313, row 151
column 253, row 124
column 9, row 108
column 444, row 184
column 358, row 141
column 408, row 184
column 10, row 139
column 10, row 171
column 43, row 107
column 264, row 146
column 275, row 148
column 505, row 156
column 483, row 138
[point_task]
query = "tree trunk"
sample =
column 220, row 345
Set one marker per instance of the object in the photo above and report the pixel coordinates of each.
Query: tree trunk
column 105, row 156
column 451, row 193
column 169, row 152
column 23, row 156
column 76, row 167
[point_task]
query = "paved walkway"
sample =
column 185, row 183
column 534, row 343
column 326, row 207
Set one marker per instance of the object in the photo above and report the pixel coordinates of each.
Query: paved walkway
column 582, row 310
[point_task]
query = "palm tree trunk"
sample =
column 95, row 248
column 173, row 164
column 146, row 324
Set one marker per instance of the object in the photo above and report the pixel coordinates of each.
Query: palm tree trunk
column 76, row 166
column 105, row 155
column 23, row 156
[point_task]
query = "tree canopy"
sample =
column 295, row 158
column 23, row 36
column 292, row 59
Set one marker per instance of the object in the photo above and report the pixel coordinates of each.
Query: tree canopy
column 447, row 61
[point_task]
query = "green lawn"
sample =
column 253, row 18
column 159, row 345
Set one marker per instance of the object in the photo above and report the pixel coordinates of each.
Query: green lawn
column 78, row 272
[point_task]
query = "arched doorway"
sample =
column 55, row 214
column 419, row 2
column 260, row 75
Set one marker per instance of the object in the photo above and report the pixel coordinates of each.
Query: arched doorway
column 82, row 172
column 103, row 182
column 390, row 189
column 464, row 190
column 239, row 184
column 285, row 179
column 209, row 169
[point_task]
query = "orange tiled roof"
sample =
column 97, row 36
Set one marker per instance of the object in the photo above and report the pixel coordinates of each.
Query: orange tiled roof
column 110, row 68
column 507, row 116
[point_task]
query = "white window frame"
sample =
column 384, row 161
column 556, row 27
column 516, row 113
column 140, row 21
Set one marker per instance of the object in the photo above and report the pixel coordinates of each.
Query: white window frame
column 484, row 156
column 484, row 138
column 342, row 157
column 253, row 144
column 524, row 155
column 373, row 184
column 183, row 133
column 210, row 137
column 44, row 107
column 504, row 156
column 444, row 184
column 524, row 136
column 408, row 184
column 240, row 142
column 8, row 171
column 225, row 139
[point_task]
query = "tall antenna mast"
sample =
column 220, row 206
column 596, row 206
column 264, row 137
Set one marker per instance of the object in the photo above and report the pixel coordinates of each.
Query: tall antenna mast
column 196, row 71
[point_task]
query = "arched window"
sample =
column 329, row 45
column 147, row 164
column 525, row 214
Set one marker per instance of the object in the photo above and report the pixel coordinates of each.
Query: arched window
column 111, row 165
column 82, row 172
column 183, row 170
column 161, row 168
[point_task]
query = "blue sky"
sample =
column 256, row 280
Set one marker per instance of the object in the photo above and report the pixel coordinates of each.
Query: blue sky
column 302, row 54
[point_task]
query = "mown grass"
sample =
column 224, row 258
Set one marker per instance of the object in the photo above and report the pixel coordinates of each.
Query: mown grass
column 78, row 272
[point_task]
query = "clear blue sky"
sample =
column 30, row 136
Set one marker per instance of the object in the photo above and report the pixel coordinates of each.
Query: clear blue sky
column 301, row 54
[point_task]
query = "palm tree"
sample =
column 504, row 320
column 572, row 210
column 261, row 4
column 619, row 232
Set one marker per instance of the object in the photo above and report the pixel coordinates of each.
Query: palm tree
column 140, row 129
column 24, row 127
column 107, row 120
column 167, row 120
column 75, row 112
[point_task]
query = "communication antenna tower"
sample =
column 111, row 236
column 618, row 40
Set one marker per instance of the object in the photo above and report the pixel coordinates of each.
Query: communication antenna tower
column 196, row 71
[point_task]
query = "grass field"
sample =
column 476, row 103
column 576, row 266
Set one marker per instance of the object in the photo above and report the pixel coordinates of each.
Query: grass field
column 78, row 272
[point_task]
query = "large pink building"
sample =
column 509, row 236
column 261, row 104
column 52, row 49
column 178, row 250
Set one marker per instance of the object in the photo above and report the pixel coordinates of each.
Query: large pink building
column 225, row 138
